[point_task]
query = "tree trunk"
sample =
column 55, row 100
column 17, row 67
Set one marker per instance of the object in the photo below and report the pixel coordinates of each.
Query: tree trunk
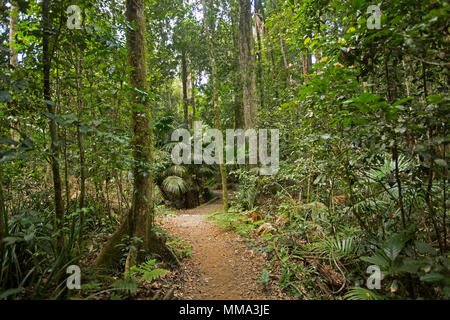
column 13, row 21
column 184, row 80
column 307, row 65
column 238, row 108
column 13, row 60
column 212, row 59
column 139, row 221
column 3, row 218
column 247, row 63
column 259, row 31
column 59, row 207
column 193, row 101
column 80, row 140
column 285, row 63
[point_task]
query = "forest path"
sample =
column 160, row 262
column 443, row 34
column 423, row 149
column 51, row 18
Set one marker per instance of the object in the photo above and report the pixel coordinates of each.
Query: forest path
column 222, row 266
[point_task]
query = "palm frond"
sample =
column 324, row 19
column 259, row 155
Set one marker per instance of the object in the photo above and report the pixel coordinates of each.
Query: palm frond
column 358, row 293
column 177, row 170
column 175, row 185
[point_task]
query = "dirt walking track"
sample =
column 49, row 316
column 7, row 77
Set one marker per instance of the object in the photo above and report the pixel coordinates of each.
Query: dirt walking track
column 222, row 266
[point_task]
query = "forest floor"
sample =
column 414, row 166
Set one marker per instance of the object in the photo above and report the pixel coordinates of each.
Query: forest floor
column 222, row 265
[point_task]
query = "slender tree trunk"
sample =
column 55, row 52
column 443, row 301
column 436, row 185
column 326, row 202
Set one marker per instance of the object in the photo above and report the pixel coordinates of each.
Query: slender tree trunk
column 407, row 86
column 66, row 166
column 59, row 207
column 80, row 138
column 184, row 80
column 13, row 21
column 238, row 108
column 108, row 200
column 285, row 62
column 119, row 196
column 139, row 221
column 3, row 218
column 307, row 65
column 13, row 57
column 212, row 59
column 66, row 172
column 259, row 31
column 247, row 63
column 13, row 61
column 193, row 101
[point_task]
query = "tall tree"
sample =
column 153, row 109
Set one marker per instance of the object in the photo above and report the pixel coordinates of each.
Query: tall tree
column 54, row 149
column 140, row 219
column 13, row 61
column 238, row 109
column 184, row 80
column 3, row 217
column 247, row 63
column 259, row 23
column 212, row 59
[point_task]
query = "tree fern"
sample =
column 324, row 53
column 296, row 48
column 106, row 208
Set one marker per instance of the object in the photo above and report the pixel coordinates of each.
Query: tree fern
column 175, row 185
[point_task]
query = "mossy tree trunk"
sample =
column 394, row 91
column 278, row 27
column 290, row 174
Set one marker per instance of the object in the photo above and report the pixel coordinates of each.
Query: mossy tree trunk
column 139, row 221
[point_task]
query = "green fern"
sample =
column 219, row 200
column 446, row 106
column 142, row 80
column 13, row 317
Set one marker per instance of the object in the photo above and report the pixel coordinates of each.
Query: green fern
column 152, row 275
column 129, row 285
column 147, row 270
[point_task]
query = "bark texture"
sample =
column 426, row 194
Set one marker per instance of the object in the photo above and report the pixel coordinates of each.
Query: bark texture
column 238, row 107
column 247, row 64
column 140, row 219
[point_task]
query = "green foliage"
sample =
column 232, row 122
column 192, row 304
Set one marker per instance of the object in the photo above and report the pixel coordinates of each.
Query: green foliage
column 401, row 260
column 245, row 195
column 364, row 139
column 175, row 185
column 359, row 293
column 238, row 222
column 181, row 248
column 147, row 270
column 127, row 285
column 265, row 276
column 31, row 266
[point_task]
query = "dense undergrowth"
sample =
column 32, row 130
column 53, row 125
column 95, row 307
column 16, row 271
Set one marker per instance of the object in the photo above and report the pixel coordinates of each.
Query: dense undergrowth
column 317, row 249
column 363, row 120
